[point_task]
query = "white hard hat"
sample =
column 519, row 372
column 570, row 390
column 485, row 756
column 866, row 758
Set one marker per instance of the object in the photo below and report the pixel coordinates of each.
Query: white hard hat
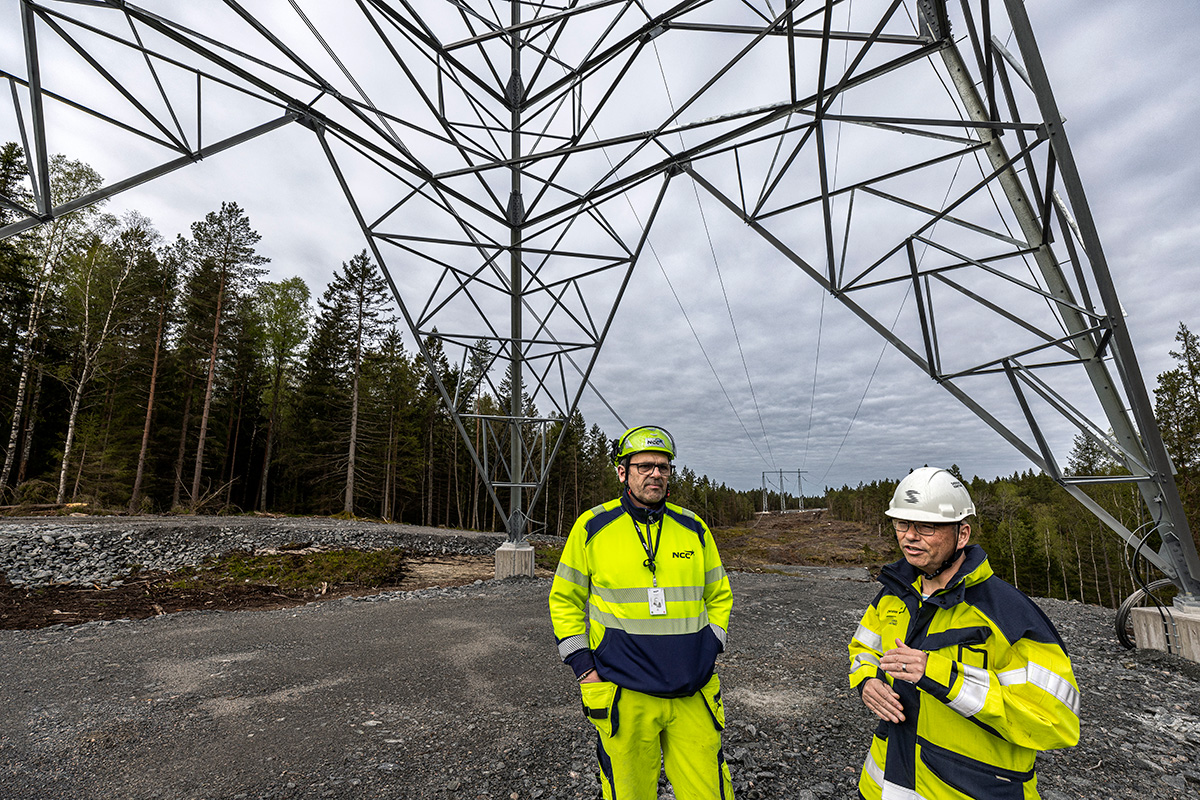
column 930, row 494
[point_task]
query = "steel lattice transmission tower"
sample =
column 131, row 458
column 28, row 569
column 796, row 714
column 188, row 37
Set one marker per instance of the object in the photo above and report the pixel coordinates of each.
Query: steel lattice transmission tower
column 506, row 162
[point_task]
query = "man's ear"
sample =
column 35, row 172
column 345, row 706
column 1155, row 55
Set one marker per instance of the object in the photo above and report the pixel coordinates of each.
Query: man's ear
column 621, row 472
column 964, row 534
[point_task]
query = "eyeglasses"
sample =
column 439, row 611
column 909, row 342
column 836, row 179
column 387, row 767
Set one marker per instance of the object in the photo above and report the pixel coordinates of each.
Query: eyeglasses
column 646, row 467
column 922, row 528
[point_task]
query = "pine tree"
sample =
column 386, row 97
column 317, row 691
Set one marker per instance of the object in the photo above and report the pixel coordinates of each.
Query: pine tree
column 244, row 382
column 150, row 332
column 222, row 245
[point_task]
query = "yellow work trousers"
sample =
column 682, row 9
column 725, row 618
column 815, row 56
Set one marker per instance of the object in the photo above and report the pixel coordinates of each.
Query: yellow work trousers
column 639, row 735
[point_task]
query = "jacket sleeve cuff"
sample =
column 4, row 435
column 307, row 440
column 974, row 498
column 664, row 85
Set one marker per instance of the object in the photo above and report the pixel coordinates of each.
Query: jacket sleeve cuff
column 940, row 673
column 940, row 669
column 581, row 661
column 720, row 633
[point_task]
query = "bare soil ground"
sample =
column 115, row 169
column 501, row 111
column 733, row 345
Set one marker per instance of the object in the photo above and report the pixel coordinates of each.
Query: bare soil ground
column 806, row 539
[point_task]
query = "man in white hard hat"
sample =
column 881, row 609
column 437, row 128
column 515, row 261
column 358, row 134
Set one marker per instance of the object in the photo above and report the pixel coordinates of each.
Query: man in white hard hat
column 968, row 677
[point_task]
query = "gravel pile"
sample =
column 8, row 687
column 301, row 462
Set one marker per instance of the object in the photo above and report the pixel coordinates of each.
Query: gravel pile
column 458, row 693
column 103, row 552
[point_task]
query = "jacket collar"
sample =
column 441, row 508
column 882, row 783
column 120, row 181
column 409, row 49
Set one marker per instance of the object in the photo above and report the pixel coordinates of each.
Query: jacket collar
column 645, row 516
column 901, row 577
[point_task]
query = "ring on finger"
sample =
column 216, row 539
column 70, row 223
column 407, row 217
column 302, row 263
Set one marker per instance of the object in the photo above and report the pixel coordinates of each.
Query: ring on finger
column 903, row 667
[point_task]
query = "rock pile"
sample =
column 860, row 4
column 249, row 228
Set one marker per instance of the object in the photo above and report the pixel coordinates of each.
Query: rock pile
column 104, row 551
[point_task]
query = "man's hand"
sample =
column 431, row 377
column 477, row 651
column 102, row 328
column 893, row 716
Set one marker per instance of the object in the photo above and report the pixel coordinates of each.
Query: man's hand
column 591, row 677
column 904, row 663
column 882, row 700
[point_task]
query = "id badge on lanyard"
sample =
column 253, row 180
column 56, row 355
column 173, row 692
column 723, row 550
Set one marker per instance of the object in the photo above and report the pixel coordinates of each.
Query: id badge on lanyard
column 658, row 601
column 656, row 597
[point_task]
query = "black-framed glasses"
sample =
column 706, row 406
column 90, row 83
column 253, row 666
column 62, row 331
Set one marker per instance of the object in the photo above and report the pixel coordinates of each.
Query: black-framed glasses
column 922, row 528
column 646, row 467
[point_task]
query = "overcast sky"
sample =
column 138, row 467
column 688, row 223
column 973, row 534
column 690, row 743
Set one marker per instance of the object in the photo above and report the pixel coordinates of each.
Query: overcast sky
column 831, row 400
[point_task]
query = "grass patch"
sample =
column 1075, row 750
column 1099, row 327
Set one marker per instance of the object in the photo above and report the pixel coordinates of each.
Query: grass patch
column 546, row 556
column 298, row 572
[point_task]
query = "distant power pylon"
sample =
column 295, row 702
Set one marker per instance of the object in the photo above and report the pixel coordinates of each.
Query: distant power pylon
column 782, row 492
column 506, row 162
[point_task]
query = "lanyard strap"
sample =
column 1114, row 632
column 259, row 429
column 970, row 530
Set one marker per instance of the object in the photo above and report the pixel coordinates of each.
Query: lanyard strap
column 650, row 552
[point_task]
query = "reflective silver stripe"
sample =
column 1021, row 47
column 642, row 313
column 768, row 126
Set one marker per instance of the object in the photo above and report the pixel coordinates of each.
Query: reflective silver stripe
column 719, row 631
column 1059, row 687
column 638, row 594
column 571, row 574
column 655, row 626
column 890, row 790
column 715, row 574
column 873, row 770
column 863, row 658
column 869, row 638
column 1044, row 679
column 973, row 692
column 1012, row 676
column 893, row 792
column 572, row 643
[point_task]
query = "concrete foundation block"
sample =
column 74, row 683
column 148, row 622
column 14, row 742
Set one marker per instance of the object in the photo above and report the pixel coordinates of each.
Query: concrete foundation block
column 514, row 560
column 1152, row 630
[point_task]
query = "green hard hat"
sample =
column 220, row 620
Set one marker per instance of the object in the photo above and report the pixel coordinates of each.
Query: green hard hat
column 643, row 437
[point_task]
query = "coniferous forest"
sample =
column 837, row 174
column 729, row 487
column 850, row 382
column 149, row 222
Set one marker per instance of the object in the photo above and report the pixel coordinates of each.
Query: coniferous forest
column 143, row 375
column 146, row 375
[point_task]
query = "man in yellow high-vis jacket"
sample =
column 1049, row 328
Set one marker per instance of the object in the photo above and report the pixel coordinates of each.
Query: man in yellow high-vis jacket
column 968, row 677
column 640, row 605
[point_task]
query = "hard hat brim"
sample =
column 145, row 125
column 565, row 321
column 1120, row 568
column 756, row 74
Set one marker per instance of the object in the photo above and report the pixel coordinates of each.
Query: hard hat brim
column 913, row 515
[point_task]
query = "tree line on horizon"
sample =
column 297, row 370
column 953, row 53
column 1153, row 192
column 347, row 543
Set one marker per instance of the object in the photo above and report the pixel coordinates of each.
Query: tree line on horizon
column 144, row 375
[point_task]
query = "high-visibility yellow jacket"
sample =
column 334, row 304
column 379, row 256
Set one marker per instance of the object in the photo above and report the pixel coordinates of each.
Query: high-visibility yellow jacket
column 998, row 686
column 600, row 599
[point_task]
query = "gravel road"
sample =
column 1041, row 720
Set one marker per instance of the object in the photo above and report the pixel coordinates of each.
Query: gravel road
column 458, row 693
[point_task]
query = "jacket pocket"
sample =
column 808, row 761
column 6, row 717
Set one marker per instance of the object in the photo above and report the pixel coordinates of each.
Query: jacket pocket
column 600, row 700
column 711, row 692
column 968, row 645
column 971, row 777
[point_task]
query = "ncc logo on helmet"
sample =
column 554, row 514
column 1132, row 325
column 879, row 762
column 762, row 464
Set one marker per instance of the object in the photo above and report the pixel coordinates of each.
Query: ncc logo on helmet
column 654, row 441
